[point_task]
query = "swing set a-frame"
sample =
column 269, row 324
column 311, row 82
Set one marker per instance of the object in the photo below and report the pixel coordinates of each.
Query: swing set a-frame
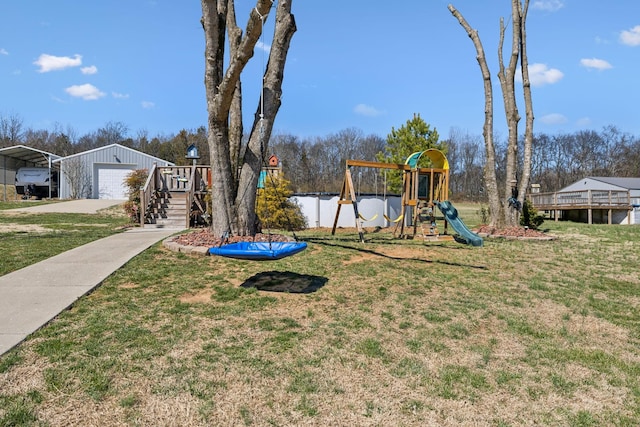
column 420, row 187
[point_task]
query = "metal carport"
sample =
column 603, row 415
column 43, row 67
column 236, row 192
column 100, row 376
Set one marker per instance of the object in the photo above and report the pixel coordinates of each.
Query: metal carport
column 18, row 156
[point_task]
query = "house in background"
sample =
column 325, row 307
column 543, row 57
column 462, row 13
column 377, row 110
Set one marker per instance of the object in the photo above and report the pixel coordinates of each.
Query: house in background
column 594, row 200
column 100, row 173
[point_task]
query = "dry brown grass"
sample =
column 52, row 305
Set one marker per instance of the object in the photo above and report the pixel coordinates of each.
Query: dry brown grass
column 388, row 333
column 10, row 191
column 22, row 228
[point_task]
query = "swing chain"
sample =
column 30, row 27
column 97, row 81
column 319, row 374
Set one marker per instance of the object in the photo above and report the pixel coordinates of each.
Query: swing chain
column 263, row 18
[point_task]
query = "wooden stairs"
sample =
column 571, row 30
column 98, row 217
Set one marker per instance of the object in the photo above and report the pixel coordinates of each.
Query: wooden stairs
column 174, row 196
column 167, row 210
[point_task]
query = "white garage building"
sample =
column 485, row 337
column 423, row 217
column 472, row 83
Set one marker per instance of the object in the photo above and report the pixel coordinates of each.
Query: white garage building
column 100, row 173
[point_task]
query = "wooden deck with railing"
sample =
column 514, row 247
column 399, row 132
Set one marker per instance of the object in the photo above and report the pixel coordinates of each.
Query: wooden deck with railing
column 188, row 181
column 589, row 200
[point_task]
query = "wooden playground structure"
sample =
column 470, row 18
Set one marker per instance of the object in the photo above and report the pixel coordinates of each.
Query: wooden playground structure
column 421, row 189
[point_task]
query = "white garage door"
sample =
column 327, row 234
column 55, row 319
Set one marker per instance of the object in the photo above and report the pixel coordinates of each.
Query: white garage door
column 111, row 183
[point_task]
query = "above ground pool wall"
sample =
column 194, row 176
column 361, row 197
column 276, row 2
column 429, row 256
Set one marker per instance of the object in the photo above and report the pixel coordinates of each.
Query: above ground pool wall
column 320, row 210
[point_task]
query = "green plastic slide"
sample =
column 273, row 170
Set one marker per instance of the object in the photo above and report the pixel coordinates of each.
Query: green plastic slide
column 451, row 214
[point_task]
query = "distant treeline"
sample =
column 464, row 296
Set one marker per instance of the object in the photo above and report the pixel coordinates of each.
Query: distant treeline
column 318, row 164
column 557, row 161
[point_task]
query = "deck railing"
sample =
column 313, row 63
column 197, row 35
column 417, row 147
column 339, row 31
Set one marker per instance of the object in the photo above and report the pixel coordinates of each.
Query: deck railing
column 187, row 179
column 146, row 193
column 581, row 199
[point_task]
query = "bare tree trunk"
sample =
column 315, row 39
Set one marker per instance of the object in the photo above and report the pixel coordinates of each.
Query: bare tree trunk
column 507, row 77
column 221, row 86
column 270, row 101
column 506, row 212
column 528, row 105
column 490, row 180
column 236, row 128
column 213, row 22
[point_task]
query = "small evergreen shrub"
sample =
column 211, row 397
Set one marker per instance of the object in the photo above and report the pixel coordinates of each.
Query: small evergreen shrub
column 275, row 210
column 484, row 215
column 530, row 216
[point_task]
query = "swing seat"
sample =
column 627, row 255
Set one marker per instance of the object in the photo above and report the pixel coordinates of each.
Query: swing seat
column 259, row 251
column 395, row 221
column 367, row 220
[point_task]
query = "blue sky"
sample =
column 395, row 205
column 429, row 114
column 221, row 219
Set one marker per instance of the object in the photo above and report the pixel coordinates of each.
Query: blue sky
column 366, row 64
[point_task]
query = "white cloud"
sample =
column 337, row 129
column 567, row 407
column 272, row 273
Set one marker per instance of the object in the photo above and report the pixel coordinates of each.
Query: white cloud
column 86, row 91
column 540, row 75
column 53, row 63
column 89, row 70
column 367, row 110
column 548, row 5
column 3, row 51
column 263, row 46
column 553, row 119
column 631, row 37
column 120, row 95
column 583, row 122
column 147, row 105
column 598, row 64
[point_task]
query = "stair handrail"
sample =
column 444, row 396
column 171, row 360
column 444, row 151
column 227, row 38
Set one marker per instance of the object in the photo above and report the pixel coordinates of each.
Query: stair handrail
column 190, row 189
column 147, row 192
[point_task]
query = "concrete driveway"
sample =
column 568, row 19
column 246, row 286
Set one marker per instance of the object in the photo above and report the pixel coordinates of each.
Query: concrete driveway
column 86, row 206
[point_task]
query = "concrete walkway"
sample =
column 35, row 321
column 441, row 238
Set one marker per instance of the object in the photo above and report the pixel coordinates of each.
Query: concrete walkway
column 32, row 296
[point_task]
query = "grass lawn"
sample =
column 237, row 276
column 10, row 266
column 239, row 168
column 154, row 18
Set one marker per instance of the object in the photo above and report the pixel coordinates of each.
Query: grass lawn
column 389, row 333
column 28, row 238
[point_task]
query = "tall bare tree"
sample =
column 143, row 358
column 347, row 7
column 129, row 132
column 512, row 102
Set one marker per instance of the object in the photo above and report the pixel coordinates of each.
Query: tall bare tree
column 504, row 207
column 10, row 130
column 234, row 192
column 78, row 177
column 528, row 102
column 466, row 160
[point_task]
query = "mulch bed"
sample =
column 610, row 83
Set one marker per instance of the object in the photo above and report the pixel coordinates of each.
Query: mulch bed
column 206, row 239
column 512, row 232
